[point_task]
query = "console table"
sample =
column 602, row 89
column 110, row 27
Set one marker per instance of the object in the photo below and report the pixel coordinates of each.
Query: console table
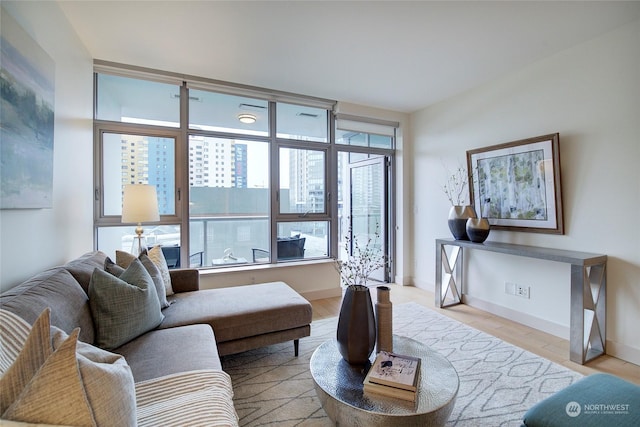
column 587, row 328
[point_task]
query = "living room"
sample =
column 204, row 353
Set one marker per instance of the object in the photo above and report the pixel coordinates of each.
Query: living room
column 588, row 92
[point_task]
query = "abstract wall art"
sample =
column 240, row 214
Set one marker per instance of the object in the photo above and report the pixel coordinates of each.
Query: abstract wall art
column 27, row 81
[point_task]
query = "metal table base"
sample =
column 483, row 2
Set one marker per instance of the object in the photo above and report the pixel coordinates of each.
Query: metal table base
column 587, row 329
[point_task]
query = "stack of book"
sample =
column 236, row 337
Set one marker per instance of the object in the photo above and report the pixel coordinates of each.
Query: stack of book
column 394, row 375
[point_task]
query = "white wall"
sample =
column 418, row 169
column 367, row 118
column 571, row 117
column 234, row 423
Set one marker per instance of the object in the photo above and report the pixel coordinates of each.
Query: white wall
column 590, row 94
column 35, row 239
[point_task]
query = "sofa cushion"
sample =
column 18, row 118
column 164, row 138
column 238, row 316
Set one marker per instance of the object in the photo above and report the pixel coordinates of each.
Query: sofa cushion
column 82, row 267
column 59, row 290
column 123, row 308
column 123, row 260
column 196, row 398
column 159, row 352
column 240, row 312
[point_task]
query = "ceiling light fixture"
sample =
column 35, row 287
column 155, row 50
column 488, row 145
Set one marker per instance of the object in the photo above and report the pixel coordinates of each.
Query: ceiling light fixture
column 247, row 118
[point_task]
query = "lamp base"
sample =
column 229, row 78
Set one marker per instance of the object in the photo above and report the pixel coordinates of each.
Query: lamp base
column 137, row 249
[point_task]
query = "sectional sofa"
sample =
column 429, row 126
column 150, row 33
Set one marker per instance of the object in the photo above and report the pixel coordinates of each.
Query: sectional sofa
column 172, row 351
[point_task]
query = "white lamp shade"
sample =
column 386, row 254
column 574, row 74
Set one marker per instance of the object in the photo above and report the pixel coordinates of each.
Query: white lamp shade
column 140, row 203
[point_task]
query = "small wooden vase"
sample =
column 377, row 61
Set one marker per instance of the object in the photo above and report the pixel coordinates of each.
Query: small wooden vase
column 384, row 320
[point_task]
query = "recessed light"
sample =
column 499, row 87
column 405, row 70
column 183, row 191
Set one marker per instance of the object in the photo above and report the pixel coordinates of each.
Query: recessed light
column 247, row 118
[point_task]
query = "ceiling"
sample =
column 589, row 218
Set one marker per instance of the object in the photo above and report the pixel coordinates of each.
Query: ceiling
column 396, row 55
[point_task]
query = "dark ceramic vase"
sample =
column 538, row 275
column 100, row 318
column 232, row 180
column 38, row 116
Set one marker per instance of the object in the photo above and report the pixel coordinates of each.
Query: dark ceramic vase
column 356, row 325
column 478, row 229
column 458, row 216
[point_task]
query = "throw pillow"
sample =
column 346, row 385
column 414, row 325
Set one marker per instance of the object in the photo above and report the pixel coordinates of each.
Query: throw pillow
column 107, row 380
column 117, row 269
column 47, row 382
column 54, row 394
column 113, row 268
column 35, row 351
column 123, row 259
column 14, row 331
column 125, row 307
column 155, row 254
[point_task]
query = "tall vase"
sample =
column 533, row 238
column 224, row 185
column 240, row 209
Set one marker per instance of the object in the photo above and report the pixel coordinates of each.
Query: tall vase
column 458, row 216
column 356, row 333
column 384, row 317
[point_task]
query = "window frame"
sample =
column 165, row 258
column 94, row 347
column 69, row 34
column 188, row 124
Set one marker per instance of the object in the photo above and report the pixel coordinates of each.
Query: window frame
column 102, row 127
column 182, row 134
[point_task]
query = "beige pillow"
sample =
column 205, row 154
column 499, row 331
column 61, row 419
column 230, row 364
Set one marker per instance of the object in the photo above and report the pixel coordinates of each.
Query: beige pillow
column 123, row 259
column 155, row 254
column 54, row 395
column 108, row 383
column 70, row 383
column 32, row 355
column 13, row 334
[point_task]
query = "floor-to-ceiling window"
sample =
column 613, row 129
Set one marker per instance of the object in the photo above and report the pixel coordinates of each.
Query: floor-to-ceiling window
column 365, row 201
column 243, row 176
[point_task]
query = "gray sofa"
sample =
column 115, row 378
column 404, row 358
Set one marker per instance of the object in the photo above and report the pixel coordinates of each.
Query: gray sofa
column 198, row 327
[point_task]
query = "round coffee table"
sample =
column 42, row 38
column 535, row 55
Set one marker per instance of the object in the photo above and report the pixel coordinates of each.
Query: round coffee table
column 339, row 388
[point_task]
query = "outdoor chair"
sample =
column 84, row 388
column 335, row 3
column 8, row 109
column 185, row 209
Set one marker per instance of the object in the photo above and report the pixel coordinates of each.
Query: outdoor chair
column 288, row 248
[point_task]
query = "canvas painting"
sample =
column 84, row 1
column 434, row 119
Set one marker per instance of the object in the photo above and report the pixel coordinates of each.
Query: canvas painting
column 27, row 81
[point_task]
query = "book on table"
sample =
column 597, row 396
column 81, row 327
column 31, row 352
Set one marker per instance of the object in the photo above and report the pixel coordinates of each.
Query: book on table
column 394, row 375
column 389, row 391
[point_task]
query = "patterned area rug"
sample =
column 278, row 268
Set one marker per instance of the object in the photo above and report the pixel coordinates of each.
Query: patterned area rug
column 498, row 381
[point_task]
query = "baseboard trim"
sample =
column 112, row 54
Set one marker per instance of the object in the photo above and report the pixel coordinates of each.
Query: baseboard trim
column 321, row 294
column 623, row 352
column 523, row 318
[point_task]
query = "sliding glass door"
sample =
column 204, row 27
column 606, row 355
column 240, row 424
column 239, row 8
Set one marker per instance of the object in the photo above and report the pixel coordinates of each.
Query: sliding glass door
column 365, row 206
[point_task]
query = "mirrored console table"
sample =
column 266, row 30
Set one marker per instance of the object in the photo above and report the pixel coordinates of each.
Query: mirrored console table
column 587, row 328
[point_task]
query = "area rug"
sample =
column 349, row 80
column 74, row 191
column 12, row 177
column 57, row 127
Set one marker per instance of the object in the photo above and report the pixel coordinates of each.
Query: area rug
column 498, row 381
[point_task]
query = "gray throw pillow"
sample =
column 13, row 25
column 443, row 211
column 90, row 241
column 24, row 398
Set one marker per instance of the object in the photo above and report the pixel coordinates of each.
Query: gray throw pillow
column 125, row 307
column 158, row 281
column 154, row 272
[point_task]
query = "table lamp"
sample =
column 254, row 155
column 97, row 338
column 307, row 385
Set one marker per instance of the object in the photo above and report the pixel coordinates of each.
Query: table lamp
column 140, row 204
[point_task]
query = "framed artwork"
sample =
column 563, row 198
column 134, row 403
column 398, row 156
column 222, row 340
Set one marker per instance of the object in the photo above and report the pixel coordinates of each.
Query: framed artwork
column 27, row 78
column 516, row 185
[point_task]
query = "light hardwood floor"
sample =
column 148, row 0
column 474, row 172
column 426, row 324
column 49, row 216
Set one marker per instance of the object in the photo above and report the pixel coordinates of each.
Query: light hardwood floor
column 533, row 340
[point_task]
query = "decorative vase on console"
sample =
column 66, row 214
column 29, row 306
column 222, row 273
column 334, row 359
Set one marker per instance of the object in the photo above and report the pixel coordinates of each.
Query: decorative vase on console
column 460, row 212
column 458, row 217
column 478, row 228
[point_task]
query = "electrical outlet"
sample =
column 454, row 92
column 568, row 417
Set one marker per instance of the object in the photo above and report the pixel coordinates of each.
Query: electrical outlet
column 522, row 291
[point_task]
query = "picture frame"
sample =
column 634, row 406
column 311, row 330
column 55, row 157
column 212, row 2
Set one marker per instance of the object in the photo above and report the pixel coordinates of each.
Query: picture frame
column 517, row 185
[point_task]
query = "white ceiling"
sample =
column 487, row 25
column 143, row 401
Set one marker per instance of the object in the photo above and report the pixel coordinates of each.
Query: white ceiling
column 396, row 55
